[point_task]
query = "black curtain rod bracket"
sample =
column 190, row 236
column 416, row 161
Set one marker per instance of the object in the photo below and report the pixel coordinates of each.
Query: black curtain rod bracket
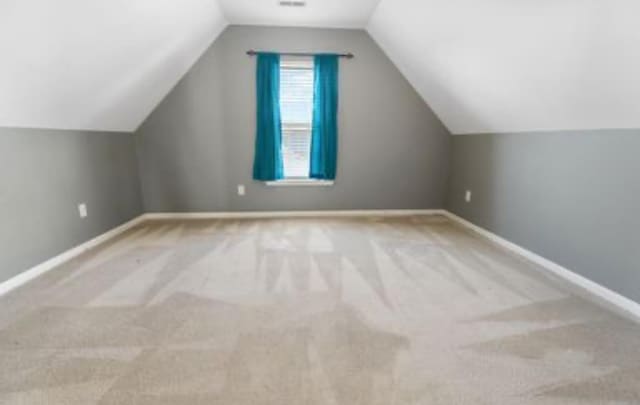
column 341, row 55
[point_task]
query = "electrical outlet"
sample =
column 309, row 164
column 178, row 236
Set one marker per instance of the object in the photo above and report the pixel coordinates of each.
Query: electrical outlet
column 241, row 189
column 467, row 196
column 82, row 210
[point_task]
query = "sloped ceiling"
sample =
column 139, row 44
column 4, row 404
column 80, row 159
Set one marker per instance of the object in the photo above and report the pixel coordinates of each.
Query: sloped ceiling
column 504, row 65
column 103, row 65
column 482, row 65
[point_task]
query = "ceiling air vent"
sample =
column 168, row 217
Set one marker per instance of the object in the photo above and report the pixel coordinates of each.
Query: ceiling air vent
column 292, row 3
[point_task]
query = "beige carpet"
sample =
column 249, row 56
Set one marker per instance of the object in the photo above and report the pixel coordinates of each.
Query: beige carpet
column 309, row 311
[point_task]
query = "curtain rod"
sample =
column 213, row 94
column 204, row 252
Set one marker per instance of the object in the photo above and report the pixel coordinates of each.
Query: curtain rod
column 341, row 55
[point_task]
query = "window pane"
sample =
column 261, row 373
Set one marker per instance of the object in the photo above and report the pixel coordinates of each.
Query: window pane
column 296, row 95
column 296, row 149
column 296, row 104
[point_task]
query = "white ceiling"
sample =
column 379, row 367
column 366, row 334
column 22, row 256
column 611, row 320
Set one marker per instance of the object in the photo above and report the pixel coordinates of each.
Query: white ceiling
column 505, row 65
column 317, row 13
column 482, row 65
column 90, row 64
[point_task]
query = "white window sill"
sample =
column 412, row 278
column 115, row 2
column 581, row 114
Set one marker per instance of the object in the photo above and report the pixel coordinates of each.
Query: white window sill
column 300, row 183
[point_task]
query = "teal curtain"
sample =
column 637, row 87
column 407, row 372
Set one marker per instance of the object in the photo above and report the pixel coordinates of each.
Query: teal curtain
column 267, row 165
column 324, row 136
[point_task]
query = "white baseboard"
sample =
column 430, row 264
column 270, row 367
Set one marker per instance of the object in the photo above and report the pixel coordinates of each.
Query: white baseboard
column 291, row 214
column 64, row 257
column 602, row 294
column 50, row 264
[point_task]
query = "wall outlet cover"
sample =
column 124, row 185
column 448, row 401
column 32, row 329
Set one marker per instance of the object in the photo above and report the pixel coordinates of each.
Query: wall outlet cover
column 467, row 196
column 82, row 210
column 241, row 189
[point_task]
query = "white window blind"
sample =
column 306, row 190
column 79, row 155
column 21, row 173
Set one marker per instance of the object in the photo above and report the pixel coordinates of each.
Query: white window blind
column 296, row 106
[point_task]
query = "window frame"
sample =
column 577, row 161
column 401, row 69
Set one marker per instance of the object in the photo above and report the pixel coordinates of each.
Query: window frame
column 302, row 63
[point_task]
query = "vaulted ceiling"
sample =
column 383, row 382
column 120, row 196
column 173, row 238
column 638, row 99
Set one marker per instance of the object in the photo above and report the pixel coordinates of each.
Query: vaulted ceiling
column 482, row 65
column 91, row 64
column 518, row 65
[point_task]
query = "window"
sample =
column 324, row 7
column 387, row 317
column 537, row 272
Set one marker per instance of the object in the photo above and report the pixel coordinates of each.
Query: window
column 296, row 106
column 289, row 125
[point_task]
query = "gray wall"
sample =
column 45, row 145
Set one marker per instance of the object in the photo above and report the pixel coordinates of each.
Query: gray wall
column 45, row 174
column 571, row 197
column 197, row 146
